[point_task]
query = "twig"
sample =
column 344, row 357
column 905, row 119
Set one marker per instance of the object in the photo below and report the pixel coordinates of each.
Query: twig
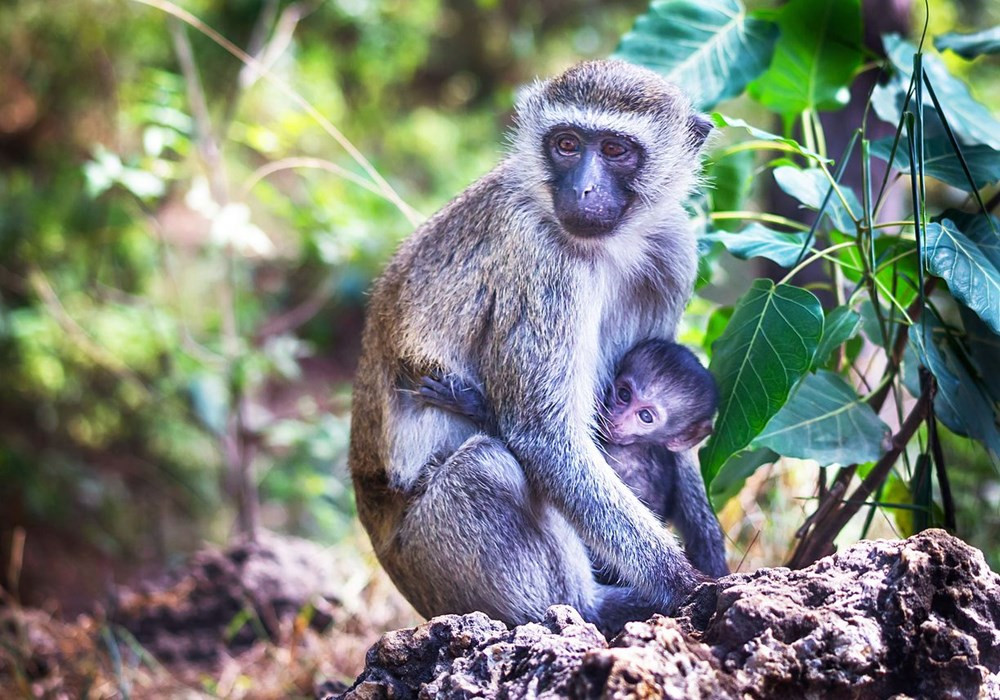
column 305, row 162
column 746, row 553
column 15, row 564
column 819, row 541
column 834, row 495
column 385, row 188
column 235, row 443
column 205, row 140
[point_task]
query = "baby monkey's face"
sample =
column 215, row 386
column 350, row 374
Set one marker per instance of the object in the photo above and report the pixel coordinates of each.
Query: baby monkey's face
column 643, row 408
column 636, row 411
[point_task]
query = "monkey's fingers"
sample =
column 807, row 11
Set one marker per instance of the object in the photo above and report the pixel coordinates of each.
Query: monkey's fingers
column 437, row 394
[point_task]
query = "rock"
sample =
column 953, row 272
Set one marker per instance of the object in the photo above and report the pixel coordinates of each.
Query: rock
column 912, row 618
column 224, row 601
column 654, row 659
column 919, row 617
column 461, row 656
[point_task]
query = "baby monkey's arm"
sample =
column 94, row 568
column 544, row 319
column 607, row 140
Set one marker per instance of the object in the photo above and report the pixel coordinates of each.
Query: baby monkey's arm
column 452, row 393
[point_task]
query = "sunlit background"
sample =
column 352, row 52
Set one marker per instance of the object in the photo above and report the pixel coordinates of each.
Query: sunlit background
column 185, row 249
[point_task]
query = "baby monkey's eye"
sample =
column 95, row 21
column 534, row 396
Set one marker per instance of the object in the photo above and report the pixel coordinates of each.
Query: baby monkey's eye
column 645, row 416
column 624, row 395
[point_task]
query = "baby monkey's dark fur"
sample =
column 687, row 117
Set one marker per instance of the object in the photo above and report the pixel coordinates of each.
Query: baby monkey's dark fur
column 662, row 401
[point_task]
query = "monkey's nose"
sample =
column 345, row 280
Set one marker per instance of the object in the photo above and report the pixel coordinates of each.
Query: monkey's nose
column 587, row 190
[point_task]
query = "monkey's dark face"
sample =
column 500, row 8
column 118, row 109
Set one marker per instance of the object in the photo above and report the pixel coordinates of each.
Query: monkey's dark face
column 592, row 173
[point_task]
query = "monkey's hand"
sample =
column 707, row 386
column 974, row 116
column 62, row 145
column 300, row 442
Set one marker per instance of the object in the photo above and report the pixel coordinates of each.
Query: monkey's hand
column 452, row 393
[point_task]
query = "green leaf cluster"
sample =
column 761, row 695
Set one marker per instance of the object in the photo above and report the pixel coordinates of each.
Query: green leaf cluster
column 920, row 294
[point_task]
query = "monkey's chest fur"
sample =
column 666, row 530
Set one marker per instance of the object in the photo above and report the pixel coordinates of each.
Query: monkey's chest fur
column 508, row 302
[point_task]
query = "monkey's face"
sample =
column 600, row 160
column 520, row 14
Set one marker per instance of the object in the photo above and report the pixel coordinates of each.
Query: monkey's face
column 591, row 176
column 634, row 414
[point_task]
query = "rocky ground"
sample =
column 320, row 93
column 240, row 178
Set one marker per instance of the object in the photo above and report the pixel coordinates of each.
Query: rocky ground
column 915, row 618
column 266, row 619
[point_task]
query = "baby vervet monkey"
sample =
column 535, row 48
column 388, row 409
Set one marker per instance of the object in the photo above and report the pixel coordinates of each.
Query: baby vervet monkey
column 662, row 401
column 661, row 395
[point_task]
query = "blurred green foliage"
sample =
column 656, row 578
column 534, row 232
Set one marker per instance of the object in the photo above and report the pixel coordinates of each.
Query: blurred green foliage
column 181, row 292
column 181, row 288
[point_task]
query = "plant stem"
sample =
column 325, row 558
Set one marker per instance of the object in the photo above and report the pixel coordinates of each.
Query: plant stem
column 947, row 502
column 814, row 257
column 755, row 145
column 757, row 216
column 818, row 542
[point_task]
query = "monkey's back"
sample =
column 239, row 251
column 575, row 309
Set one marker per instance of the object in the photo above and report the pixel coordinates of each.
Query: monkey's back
column 429, row 310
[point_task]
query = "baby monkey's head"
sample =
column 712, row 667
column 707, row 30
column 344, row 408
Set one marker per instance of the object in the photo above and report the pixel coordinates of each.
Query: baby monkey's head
column 662, row 394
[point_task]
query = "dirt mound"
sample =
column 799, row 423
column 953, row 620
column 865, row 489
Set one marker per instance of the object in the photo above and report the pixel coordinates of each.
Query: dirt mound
column 226, row 600
column 258, row 620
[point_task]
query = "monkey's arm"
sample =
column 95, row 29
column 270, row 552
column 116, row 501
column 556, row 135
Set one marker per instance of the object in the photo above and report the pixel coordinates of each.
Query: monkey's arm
column 569, row 468
column 691, row 513
column 452, row 393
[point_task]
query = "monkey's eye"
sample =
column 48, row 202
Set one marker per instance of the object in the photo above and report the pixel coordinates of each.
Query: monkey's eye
column 567, row 144
column 645, row 416
column 613, row 149
column 624, row 395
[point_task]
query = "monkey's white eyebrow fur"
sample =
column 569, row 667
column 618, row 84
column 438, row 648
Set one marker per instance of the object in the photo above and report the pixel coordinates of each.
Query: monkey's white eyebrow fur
column 666, row 139
column 639, row 126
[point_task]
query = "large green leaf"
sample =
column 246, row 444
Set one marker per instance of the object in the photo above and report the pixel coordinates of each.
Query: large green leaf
column 734, row 473
column 962, row 403
column 971, row 45
column 716, row 326
column 710, row 48
column 841, row 325
column 971, row 276
column 811, row 186
column 815, row 57
column 984, row 231
column 826, row 421
column 941, row 162
column 788, row 144
column 971, row 121
column 984, row 351
column 758, row 241
column 766, row 348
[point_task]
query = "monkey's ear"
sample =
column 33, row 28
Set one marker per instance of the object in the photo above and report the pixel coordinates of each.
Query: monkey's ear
column 690, row 437
column 700, row 126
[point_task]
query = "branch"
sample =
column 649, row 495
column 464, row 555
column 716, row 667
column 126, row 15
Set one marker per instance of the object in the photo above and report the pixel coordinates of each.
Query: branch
column 819, row 541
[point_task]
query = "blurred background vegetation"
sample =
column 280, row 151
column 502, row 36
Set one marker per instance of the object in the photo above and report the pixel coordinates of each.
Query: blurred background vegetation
column 184, row 254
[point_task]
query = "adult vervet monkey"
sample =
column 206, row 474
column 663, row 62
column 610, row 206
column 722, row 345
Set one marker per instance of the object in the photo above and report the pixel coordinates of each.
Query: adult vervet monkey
column 534, row 282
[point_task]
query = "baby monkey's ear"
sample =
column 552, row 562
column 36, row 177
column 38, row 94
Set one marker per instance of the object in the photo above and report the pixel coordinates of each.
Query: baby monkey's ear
column 700, row 126
column 690, row 437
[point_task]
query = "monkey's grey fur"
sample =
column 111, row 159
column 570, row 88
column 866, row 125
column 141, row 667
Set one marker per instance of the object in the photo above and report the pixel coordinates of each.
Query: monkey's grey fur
column 669, row 379
column 673, row 489
column 493, row 287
